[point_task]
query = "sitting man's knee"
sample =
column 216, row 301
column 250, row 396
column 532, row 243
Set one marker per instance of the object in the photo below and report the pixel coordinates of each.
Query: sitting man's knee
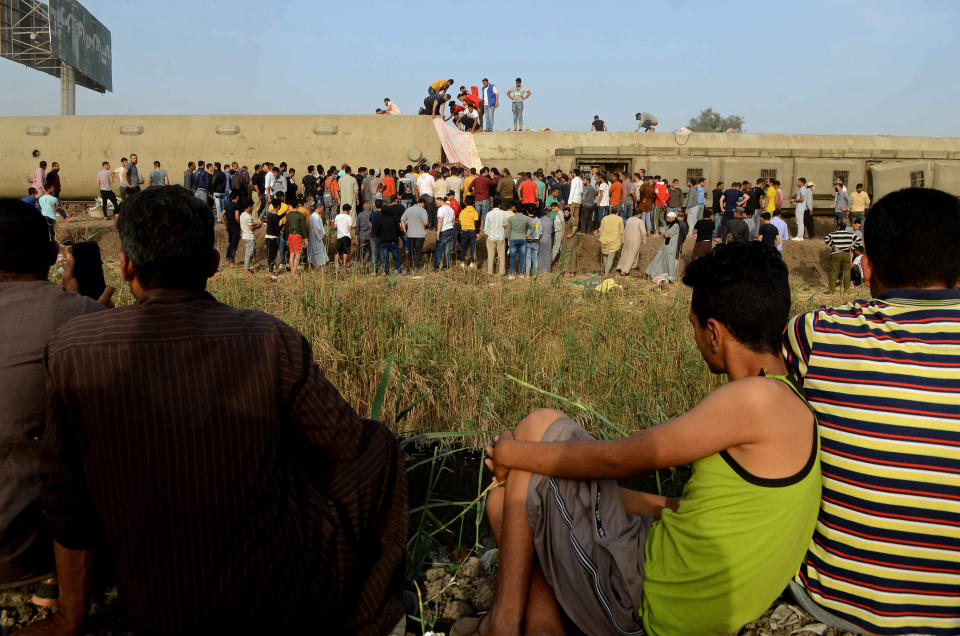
column 532, row 427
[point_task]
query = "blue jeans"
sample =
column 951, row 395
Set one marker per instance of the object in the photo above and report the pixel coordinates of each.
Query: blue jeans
column 517, row 255
column 282, row 249
column 518, row 114
column 482, row 208
column 221, row 200
column 374, row 252
column 648, row 221
column 531, row 258
column 444, row 239
column 386, row 249
column 626, row 211
column 468, row 245
column 602, row 211
column 488, row 117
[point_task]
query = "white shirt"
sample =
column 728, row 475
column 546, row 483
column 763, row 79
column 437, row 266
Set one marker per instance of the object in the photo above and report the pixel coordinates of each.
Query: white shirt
column 268, row 180
column 802, row 193
column 425, row 184
column 493, row 224
column 576, row 190
column 344, row 224
column 604, row 192
column 440, row 186
column 445, row 218
column 246, row 220
column 392, row 109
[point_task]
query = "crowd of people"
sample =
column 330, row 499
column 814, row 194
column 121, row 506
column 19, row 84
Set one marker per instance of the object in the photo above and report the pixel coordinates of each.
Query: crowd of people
column 264, row 504
column 369, row 216
column 474, row 110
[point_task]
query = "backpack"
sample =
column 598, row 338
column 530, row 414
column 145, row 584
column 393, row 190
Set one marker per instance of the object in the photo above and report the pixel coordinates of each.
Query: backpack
column 236, row 181
column 328, row 200
column 402, row 191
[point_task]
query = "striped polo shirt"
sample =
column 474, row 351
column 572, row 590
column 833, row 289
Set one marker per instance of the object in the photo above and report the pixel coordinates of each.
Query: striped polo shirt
column 884, row 379
column 842, row 240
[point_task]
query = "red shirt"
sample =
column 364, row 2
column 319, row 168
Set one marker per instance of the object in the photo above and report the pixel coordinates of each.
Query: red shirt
column 528, row 191
column 472, row 99
column 389, row 187
column 456, row 207
column 662, row 194
column 481, row 188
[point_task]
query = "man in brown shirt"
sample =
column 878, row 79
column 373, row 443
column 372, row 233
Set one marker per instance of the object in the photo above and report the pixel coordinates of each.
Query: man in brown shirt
column 647, row 196
column 235, row 488
column 31, row 308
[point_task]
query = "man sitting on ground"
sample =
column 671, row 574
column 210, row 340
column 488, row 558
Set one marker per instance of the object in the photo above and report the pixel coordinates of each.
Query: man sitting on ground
column 883, row 376
column 707, row 563
column 31, row 308
column 259, row 509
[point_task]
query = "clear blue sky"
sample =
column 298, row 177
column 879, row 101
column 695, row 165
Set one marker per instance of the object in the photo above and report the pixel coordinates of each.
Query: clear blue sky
column 821, row 66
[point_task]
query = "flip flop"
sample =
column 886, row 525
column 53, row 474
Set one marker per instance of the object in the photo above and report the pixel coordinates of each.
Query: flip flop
column 47, row 593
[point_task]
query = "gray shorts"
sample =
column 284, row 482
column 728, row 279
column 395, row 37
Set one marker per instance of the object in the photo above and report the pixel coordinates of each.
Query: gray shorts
column 590, row 549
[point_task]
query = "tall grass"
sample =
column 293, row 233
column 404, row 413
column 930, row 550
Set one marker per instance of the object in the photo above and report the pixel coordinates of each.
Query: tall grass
column 464, row 349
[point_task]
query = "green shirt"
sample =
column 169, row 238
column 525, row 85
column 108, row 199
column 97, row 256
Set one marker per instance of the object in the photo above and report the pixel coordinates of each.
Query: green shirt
column 296, row 224
column 730, row 549
column 519, row 225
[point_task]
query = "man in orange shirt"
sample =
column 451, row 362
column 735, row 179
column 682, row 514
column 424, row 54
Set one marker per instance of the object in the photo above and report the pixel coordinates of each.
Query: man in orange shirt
column 660, row 207
column 528, row 193
column 616, row 190
column 389, row 184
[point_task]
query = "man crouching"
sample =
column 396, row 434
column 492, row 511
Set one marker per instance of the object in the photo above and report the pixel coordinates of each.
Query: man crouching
column 617, row 561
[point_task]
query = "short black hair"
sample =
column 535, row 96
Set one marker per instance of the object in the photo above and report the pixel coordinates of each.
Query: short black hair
column 901, row 249
column 167, row 233
column 744, row 286
column 765, row 216
column 24, row 238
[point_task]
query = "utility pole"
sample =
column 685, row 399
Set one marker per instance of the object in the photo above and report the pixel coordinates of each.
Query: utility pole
column 68, row 89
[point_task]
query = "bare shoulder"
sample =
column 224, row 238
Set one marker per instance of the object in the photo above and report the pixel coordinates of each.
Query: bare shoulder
column 764, row 400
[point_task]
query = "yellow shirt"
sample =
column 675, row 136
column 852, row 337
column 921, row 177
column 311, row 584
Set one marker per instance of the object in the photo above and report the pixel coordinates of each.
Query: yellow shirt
column 469, row 218
column 859, row 201
column 439, row 85
column 611, row 233
column 466, row 184
column 771, row 194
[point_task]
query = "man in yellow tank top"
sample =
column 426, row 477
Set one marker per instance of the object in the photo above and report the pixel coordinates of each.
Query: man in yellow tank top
column 631, row 563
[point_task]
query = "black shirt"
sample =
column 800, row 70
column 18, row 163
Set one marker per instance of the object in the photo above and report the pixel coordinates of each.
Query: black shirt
column 704, row 229
column 309, row 185
column 598, row 124
column 768, row 234
column 388, row 230
column 717, row 194
column 273, row 223
column 258, row 181
column 230, row 215
column 218, row 182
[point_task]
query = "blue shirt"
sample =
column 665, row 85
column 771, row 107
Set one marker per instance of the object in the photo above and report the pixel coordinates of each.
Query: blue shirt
column 48, row 205
column 30, row 200
column 201, row 180
column 730, row 199
column 700, row 200
column 375, row 217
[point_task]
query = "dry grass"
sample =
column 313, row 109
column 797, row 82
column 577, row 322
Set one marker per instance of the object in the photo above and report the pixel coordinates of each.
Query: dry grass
column 455, row 337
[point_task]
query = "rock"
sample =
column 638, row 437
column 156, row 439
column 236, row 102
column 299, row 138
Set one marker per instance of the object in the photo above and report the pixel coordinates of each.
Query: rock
column 490, row 559
column 483, row 592
column 5, row 619
column 455, row 610
column 785, row 615
column 813, row 628
column 435, row 573
column 465, row 627
column 472, row 568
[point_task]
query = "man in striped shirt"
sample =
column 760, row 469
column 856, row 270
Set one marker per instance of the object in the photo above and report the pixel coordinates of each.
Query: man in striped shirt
column 841, row 242
column 884, row 378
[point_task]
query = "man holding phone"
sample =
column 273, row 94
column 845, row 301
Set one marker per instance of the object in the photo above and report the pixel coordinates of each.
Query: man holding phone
column 31, row 308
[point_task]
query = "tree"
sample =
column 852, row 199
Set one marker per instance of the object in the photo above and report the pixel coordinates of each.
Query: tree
column 711, row 121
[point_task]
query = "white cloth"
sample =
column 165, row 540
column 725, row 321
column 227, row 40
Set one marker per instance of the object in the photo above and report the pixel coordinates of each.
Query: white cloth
column 493, row 224
column 246, row 220
column 425, row 184
column 576, row 190
column 445, row 218
column 343, row 223
column 317, row 251
column 603, row 193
